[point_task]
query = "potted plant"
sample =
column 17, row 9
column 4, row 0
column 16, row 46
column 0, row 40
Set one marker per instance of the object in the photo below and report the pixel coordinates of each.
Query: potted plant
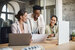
column 73, row 35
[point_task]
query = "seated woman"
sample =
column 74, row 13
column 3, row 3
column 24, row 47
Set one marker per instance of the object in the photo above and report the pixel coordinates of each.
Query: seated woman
column 52, row 28
column 20, row 26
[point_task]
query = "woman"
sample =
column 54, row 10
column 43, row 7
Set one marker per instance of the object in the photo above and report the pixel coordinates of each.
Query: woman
column 52, row 28
column 20, row 26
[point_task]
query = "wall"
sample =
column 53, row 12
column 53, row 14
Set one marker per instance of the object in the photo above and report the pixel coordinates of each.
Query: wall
column 69, row 10
column 69, row 13
column 26, row 5
column 48, row 2
column 29, row 5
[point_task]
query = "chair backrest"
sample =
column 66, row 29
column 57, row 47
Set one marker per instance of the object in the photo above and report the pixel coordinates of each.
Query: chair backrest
column 4, row 34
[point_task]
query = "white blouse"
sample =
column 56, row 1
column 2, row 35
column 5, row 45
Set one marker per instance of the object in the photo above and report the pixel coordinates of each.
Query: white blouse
column 15, row 28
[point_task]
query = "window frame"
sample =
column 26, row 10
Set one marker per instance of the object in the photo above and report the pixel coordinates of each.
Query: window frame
column 6, row 13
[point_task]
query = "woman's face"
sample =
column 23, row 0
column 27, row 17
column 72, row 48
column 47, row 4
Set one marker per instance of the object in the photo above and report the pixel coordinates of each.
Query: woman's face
column 24, row 17
column 53, row 21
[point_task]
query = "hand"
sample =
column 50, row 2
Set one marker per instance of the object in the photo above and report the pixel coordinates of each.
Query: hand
column 52, row 35
column 49, row 36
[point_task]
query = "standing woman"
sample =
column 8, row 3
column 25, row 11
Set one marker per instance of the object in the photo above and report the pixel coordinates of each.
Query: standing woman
column 21, row 25
column 52, row 28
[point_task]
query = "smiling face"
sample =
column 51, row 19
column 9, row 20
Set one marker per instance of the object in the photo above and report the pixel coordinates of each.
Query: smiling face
column 36, row 13
column 53, row 21
column 24, row 17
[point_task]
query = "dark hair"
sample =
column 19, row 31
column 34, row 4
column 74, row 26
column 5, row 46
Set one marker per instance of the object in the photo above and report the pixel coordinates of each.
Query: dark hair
column 37, row 7
column 55, row 17
column 20, row 13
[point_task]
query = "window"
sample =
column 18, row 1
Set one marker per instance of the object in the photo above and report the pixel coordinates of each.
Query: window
column 7, row 15
column 7, row 12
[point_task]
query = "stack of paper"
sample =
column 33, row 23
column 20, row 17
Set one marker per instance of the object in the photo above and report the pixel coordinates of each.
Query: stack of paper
column 39, row 37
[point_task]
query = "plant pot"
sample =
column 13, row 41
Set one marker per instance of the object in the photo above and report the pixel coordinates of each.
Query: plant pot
column 73, row 38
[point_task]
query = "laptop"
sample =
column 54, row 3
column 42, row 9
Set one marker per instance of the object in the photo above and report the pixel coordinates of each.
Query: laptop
column 20, row 39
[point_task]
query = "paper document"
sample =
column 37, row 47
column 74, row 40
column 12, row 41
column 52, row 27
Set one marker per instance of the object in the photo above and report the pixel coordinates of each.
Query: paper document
column 39, row 37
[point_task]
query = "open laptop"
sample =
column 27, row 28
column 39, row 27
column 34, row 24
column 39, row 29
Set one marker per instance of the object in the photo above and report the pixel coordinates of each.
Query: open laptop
column 19, row 39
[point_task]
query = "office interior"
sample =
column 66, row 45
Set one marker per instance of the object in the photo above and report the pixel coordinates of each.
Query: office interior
column 63, row 9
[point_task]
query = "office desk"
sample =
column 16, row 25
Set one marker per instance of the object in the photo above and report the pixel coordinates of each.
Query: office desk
column 46, row 44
